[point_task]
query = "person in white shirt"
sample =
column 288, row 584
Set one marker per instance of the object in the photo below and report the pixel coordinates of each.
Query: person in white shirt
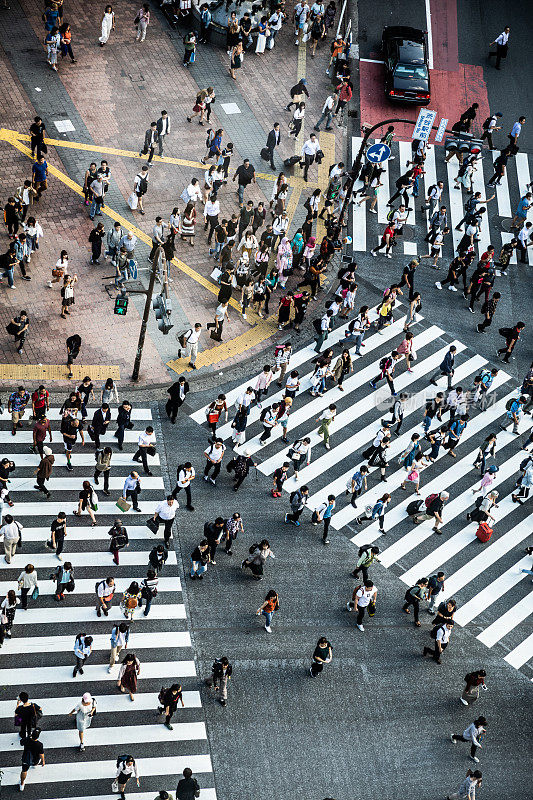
column 399, row 218
column 184, row 475
column 301, row 13
column 221, row 313
column 10, row 533
column 194, row 191
column 442, row 637
column 501, row 43
column 214, row 455
column 190, row 339
column 269, row 421
column 146, row 443
column 292, row 384
column 362, row 597
column 472, row 734
column 309, row 151
column 280, row 226
column 128, row 241
column 295, row 125
column 328, row 112
column 163, row 129
column 467, row 790
column 300, row 452
column 211, row 212
column 275, row 24
column 491, row 126
column 325, row 419
column 165, row 513
column 263, row 382
column 125, row 770
column 434, row 196
column 283, row 357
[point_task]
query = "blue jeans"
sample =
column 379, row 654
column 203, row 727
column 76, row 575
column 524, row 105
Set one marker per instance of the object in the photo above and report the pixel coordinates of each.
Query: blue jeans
column 326, row 115
column 96, row 205
column 415, row 187
column 268, row 617
column 217, row 250
column 240, row 192
column 148, row 605
column 9, row 275
column 197, row 568
column 426, row 424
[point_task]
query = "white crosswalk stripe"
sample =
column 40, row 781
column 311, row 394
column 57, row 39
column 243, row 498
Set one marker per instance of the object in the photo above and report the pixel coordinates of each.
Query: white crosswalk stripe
column 468, row 564
column 368, row 228
column 47, row 629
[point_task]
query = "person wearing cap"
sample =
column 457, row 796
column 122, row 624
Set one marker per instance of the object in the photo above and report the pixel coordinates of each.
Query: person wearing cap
column 489, row 126
column 433, row 511
column 44, row 471
column 85, row 711
column 241, row 467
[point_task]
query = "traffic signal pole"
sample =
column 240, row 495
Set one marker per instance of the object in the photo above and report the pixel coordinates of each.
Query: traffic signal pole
column 356, row 165
column 146, row 315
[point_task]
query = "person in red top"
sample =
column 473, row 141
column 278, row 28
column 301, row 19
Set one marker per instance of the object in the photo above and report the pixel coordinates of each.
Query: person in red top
column 40, row 402
column 386, row 241
column 344, row 91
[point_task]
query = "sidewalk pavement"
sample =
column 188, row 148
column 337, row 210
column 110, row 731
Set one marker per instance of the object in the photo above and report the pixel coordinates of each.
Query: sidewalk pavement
column 110, row 96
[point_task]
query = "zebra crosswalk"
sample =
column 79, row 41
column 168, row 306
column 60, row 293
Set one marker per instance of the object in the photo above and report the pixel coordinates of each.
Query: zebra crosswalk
column 366, row 232
column 492, row 592
column 39, row 659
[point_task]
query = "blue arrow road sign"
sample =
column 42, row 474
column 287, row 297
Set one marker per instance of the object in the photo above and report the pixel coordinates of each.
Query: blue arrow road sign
column 378, row 153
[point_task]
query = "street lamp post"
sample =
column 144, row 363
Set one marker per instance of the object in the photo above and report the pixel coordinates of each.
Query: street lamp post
column 146, row 315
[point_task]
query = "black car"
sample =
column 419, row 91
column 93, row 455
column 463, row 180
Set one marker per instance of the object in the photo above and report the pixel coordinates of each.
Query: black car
column 405, row 53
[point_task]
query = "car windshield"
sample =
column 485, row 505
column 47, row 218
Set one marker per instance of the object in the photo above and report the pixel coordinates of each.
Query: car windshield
column 411, row 71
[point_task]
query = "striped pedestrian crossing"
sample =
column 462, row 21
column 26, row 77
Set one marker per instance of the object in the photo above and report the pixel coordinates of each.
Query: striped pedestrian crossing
column 485, row 579
column 39, row 657
column 367, row 228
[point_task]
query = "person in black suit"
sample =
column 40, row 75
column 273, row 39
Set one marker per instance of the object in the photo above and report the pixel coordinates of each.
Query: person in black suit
column 151, row 138
column 177, row 394
column 123, row 422
column 101, row 419
column 272, row 142
column 163, row 129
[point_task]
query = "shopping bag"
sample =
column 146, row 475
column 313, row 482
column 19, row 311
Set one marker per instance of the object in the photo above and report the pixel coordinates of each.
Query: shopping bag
column 215, row 275
column 185, row 196
column 123, row 504
column 114, row 786
column 133, row 202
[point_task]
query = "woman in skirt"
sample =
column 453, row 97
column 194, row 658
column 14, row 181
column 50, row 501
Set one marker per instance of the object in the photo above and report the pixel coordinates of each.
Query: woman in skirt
column 128, row 675
column 126, row 767
column 236, row 60
column 199, row 107
column 67, row 294
column 85, row 499
column 187, row 223
column 85, row 711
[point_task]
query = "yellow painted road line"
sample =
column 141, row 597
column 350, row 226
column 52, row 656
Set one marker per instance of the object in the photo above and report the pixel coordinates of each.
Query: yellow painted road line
column 216, row 355
column 54, row 372
column 211, row 287
column 327, row 145
column 13, row 136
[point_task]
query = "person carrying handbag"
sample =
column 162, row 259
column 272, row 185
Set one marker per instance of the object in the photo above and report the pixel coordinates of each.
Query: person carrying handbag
column 85, row 711
column 119, row 539
column 27, row 582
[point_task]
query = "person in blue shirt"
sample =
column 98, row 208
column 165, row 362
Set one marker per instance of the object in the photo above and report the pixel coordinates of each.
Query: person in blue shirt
column 323, row 514
column 39, row 175
column 357, row 482
column 205, row 23
column 513, row 413
column 132, row 487
column 455, row 431
column 524, row 204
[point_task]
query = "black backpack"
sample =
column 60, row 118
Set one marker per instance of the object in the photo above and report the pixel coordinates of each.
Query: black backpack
column 317, row 325
column 486, row 124
column 253, row 548
column 414, row 507
column 161, row 696
column 363, row 549
column 434, row 630
column 143, row 184
column 123, row 759
column 292, row 496
column 383, row 362
column 470, row 205
column 264, row 412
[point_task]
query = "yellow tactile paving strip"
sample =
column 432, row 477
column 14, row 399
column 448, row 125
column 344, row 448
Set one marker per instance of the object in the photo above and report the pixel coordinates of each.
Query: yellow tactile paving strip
column 10, row 135
column 56, row 372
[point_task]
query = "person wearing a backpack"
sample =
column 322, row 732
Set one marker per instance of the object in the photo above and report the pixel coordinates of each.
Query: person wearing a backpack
column 513, row 413
column 471, row 207
column 474, row 734
column 185, row 473
column 489, row 127
column 269, row 419
column 511, row 336
column 323, row 513
column 214, row 455
column 435, row 588
column 414, row 596
column 27, row 715
column 367, row 555
column 386, row 371
column 200, row 558
column 120, row 635
column 126, row 768
column 323, row 329
column 83, row 646
column 105, row 591
column 357, row 483
column 376, row 512
column 298, row 500
column 434, row 504
column 441, row 636
column 169, row 700
column 32, row 755
column 524, row 483
column 140, row 187
column 434, row 194
column 474, row 682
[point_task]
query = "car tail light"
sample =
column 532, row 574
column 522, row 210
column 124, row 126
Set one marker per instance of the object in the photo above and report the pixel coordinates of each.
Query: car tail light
column 423, row 95
column 395, row 93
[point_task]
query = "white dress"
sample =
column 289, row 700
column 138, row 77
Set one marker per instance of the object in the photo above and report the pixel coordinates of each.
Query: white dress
column 83, row 716
column 107, row 24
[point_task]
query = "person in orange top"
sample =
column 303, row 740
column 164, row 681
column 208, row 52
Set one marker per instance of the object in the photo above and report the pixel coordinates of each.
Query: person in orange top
column 66, row 42
column 270, row 605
